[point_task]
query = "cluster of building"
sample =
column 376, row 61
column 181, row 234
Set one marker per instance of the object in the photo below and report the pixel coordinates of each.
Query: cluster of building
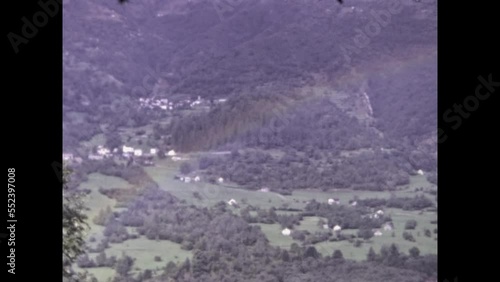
column 168, row 105
column 145, row 157
column 151, row 103
column 336, row 201
column 189, row 179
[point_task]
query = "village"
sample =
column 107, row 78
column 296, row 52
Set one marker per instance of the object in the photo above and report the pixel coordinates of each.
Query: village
column 165, row 104
column 127, row 153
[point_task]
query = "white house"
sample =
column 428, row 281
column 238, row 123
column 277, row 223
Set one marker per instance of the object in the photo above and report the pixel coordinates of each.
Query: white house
column 187, row 179
column 377, row 233
column 376, row 215
column 171, row 153
column 126, row 149
column 264, row 189
column 197, row 179
column 420, row 172
column 153, row 151
column 337, row 228
column 325, row 226
column 333, row 201
column 286, row 232
column 354, row 203
column 380, row 212
column 232, row 202
column 220, row 180
column 67, row 157
column 103, row 151
column 388, row 227
column 138, row 152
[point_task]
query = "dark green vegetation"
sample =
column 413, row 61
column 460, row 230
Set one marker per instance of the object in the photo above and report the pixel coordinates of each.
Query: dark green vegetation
column 157, row 224
column 225, row 247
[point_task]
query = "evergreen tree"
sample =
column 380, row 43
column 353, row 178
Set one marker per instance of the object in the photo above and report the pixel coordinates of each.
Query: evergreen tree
column 74, row 225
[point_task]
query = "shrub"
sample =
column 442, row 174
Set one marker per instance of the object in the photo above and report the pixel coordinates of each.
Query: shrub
column 411, row 224
column 408, row 236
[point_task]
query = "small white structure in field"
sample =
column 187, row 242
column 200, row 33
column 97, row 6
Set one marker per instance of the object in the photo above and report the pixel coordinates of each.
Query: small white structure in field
column 153, row 151
column 220, row 180
column 187, row 179
column 380, row 212
column 176, row 159
column 232, row 202
column 286, row 232
column 264, row 189
column 171, row 153
column 388, row 227
column 126, row 149
column 333, row 201
column 376, row 216
column 354, row 203
column 67, row 156
column 103, row 151
column 197, row 179
column 377, row 233
column 138, row 152
column 325, row 226
column 181, row 179
column 420, row 172
column 115, row 150
column 337, row 228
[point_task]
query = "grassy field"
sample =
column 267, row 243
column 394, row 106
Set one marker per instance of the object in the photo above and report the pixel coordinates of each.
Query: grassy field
column 165, row 170
column 426, row 245
column 141, row 249
column 273, row 234
column 96, row 201
column 144, row 252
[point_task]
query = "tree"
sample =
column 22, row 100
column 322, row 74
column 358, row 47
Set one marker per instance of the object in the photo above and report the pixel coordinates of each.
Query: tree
column 186, row 168
column 411, row 224
column 337, row 254
column 414, row 252
column 74, row 225
column 124, row 265
column 372, row 256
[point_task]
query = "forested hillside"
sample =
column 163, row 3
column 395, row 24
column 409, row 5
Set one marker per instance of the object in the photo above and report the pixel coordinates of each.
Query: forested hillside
column 293, row 74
